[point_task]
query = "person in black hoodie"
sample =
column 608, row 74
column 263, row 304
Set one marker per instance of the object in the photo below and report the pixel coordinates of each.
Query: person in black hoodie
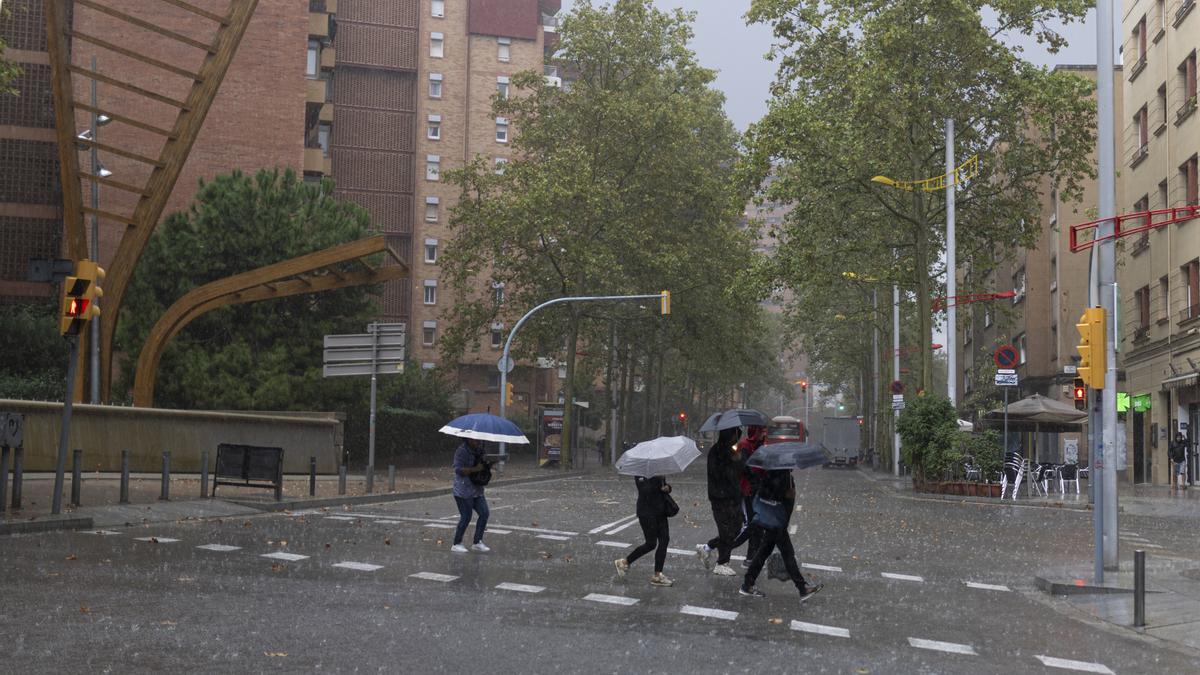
column 777, row 491
column 652, row 516
column 725, row 495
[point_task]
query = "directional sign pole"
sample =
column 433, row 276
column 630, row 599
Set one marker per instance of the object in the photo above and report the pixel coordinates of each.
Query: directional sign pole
column 1004, row 453
column 374, row 367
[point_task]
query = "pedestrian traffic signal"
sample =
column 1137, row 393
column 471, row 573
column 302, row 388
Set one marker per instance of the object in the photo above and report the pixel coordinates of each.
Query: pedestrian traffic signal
column 80, row 295
column 1091, row 347
column 1080, row 394
column 803, row 386
column 665, row 302
column 682, row 417
column 508, row 394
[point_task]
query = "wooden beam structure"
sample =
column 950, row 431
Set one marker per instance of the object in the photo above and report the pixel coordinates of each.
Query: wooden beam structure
column 296, row 276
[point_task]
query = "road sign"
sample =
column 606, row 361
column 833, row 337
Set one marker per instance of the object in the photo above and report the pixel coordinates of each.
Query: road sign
column 365, row 340
column 897, row 401
column 897, row 387
column 363, row 354
column 11, row 430
column 1071, row 370
column 383, row 328
column 505, row 364
column 342, row 369
column 1006, row 378
column 1005, row 356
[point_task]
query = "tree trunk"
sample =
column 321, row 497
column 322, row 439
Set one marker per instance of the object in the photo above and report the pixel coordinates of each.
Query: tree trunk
column 569, row 391
column 921, row 270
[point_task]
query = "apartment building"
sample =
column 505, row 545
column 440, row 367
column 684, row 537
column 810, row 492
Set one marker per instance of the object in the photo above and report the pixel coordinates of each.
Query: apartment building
column 1051, row 291
column 1159, row 270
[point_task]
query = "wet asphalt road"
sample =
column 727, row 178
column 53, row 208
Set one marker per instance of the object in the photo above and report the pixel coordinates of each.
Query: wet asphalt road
column 97, row 602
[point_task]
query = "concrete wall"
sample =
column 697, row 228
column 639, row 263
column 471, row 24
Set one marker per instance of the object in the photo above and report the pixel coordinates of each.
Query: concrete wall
column 103, row 431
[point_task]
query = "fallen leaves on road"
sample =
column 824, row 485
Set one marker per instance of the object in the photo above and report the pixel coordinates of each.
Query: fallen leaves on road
column 185, row 579
column 72, row 557
column 387, row 542
column 247, row 524
column 84, row 609
column 153, row 540
column 274, row 654
column 328, row 546
column 546, row 555
column 775, row 620
column 277, row 567
column 166, row 622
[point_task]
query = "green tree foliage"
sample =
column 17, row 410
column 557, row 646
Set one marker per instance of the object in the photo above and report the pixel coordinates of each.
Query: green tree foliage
column 621, row 183
column 9, row 71
column 863, row 89
column 35, row 355
column 928, row 427
column 264, row 355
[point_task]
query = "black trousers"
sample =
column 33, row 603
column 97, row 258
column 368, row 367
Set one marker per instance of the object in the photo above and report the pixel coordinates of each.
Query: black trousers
column 658, row 535
column 749, row 533
column 730, row 523
column 772, row 539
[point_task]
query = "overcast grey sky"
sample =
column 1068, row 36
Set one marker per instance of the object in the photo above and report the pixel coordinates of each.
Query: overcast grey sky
column 724, row 42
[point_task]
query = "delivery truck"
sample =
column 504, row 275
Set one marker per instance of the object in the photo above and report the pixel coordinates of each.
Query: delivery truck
column 841, row 438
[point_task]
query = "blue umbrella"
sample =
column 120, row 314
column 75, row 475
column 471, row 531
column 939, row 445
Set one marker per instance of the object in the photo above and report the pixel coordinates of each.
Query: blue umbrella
column 484, row 427
column 788, row 456
column 710, row 424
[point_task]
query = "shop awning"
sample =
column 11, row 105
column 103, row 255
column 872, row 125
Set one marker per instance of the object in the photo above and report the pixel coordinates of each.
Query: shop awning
column 1185, row 380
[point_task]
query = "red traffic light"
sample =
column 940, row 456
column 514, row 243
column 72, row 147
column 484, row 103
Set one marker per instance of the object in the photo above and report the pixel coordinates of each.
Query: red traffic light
column 1080, row 393
column 682, row 416
column 77, row 307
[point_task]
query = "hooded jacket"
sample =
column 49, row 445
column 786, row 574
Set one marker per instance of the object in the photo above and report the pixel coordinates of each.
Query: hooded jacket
column 724, row 472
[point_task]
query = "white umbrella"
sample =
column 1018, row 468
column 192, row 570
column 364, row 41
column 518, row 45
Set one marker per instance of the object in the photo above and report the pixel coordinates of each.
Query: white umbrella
column 659, row 457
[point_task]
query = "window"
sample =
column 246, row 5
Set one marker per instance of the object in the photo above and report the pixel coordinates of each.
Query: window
column 987, row 317
column 437, row 45
column 1139, row 34
column 431, row 251
column 1142, row 297
column 431, row 291
column 497, row 336
column 1160, row 23
column 437, row 9
column 501, row 130
column 1142, row 120
column 1191, row 288
column 498, row 292
column 1019, row 286
column 1141, row 206
column 1163, row 195
column 502, row 49
column 493, row 380
column 1022, row 353
column 1187, row 176
column 431, row 209
column 500, row 162
column 1161, row 122
column 433, row 167
column 433, row 128
column 428, row 333
column 1187, row 82
column 435, row 85
column 323, row 131
column 1054, row 342
column 313, row 66
column 502, row 87
column 1164, row 292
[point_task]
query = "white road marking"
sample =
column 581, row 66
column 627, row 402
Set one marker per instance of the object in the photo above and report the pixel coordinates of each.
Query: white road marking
column 506, row 506
column 521, row 588
column 433, row 576
column 305, row 512
column 361, row 567
column 543, row 499
column 824, row 568
column 817, row 628
column 102, row 533
column 387, row 522
column 1068, row 664
column 280, row 555
column 1148, row 545
column 987, row 587
column 491, row 531
column 793, row 528
column 738, row 557
column 935, row 645
column 596, row 530
column 902, row 577
column 610, row 599
column 157, row 540
column 221, row 548
column 626, row 525
column 614, row 544
column 340, row 518
column 681, row 551
column 565, row 533
column 440, row 526
column 552, row 537
column 711, row 613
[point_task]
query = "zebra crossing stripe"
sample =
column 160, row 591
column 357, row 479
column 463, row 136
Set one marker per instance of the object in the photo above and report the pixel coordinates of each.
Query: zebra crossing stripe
column 817, row 628
column 156, row 540
column 597, row 530
column 361, row 567
column 938, row 646
column 611, row 599
column 1069, row 664
column 102, row 533
column 708, row 612
column 824, row 568
column 987, row 587
column 681, row 551
column 433, row 576
column 339, row 518
column 220, row 548
column 280, row 555
column 902, row 577
column 440, row 526
column 551, row 537
column 520, row 588
column 613, row 544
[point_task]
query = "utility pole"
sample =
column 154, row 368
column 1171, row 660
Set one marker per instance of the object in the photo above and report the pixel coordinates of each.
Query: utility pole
column 951, row 268
column 896, row 377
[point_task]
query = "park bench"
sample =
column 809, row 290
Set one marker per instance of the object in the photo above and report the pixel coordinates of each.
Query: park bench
column 249, row 466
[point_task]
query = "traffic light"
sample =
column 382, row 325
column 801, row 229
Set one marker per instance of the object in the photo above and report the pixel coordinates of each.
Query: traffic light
column 665, row 302
column 80, row 297
column 803, row 386
column 1092, row 331
column 1080, row 394
column 682, row 417
column 508, row 394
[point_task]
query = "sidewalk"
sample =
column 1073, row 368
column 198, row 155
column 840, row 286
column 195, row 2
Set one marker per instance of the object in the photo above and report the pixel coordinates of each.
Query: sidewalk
column 100, row 496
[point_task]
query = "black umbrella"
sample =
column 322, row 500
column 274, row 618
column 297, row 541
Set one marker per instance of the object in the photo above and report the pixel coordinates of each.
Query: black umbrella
column 788, row 456
column 739, row 417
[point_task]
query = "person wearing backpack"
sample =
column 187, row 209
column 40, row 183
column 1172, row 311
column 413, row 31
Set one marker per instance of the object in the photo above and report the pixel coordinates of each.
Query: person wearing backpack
column 773, row 508
column 471, row 473
column 1177, row 453
column 654, row 507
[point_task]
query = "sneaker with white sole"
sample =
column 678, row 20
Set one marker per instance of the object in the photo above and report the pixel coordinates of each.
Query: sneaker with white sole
column 622, row 566
column 751, row 591
column 724, row 571
column 481, row 547
column 809, row 591
column 704, row 553
column 660, row 580
column 458, row 548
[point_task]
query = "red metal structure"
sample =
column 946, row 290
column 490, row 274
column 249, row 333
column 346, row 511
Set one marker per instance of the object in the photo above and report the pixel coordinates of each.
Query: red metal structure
column 966, row 299
column 1132, row 223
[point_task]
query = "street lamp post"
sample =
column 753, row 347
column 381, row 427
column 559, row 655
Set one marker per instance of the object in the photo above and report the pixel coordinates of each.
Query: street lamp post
column 98, row 170
column 951, row 268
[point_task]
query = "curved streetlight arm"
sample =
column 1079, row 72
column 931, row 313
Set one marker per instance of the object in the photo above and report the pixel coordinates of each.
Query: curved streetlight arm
column 517, row 327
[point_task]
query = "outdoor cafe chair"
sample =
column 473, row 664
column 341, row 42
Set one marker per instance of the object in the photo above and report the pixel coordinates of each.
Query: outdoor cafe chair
column 1068, row 473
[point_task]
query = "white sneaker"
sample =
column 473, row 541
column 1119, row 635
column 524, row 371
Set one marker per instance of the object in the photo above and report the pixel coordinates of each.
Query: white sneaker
column 458, row 548
column 724, row 571
column 481, row 548
column 661, row 579
column 622, row 566
column 704, row 553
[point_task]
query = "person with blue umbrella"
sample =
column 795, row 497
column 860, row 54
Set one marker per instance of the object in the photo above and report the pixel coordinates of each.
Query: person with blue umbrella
column 472, row 471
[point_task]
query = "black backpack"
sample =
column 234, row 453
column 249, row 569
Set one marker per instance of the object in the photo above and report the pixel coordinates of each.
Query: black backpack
column 484, row 476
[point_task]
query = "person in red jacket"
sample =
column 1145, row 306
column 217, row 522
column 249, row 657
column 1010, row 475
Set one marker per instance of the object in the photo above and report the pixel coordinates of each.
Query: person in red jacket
column 751, row 478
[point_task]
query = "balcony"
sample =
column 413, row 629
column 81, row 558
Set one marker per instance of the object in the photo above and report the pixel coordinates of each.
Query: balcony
column 317, row 91
column 315, row 161
column 1189, row 313
column 328, row 58
column 1185, row 111
column 1137, row 68
column 1139, row 155
column 1184, row 9
column 318, row 25
column 1141, row 334
column 549, row 23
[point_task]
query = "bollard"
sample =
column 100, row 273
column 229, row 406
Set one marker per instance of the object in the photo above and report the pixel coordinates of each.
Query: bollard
column 203, row 474
column 1139, row 588
column 312, row 476
column 3, row 475
column 370, row 478
column 342, row 479
column 391, row 477
column 166, row 477
column 124, row 476
column 76, row 475
column 18, row 475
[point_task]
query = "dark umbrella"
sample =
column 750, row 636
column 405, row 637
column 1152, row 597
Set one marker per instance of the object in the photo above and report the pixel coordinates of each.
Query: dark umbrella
column 710, row 424
column 740, row 417
column 788, row 456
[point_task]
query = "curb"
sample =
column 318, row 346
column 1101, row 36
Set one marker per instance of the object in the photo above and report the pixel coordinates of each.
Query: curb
column 1057, row 588
column 296, row 504
column 907, row 492
column 47, row 525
